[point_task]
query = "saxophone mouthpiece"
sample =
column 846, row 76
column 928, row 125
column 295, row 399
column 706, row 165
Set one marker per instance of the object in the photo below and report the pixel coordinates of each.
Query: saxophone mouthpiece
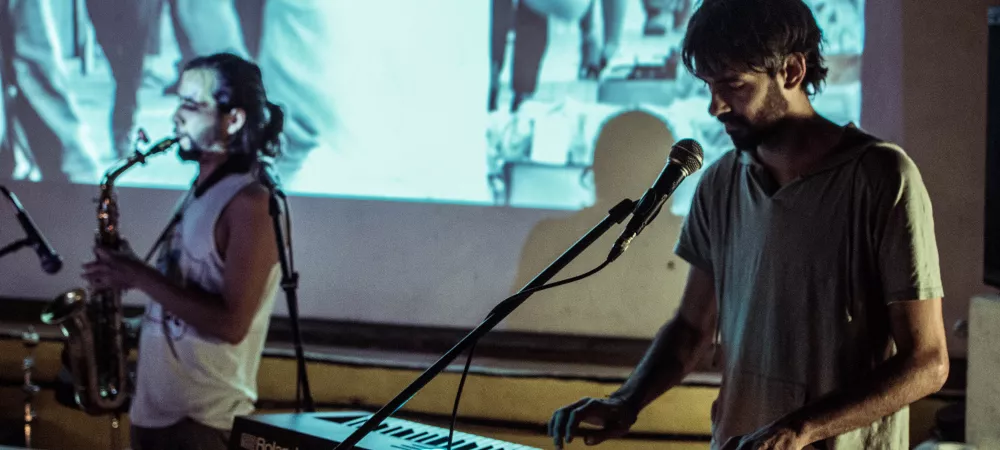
column 163, row 145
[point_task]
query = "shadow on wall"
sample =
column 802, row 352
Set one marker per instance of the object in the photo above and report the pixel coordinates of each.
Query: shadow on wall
column 640, row 291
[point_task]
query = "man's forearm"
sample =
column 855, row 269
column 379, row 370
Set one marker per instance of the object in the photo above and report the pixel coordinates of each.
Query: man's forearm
column 674, row 353
column 898, row 382
column 204, row 311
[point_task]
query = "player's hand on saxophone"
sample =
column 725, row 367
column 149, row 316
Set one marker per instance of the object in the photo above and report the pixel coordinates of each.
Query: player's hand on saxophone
column 115, row 269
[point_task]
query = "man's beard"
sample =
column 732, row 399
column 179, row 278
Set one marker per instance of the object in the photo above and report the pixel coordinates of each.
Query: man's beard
column 195, row 148
column 748, row 136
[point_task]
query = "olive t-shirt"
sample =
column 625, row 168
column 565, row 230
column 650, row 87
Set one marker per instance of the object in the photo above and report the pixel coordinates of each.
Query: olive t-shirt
column 804, row 274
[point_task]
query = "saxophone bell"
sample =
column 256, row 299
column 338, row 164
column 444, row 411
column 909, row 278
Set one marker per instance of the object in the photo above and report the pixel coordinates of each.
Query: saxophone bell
column 65, row 306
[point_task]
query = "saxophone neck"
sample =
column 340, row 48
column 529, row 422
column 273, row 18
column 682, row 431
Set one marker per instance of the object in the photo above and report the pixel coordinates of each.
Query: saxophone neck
column 137, row 157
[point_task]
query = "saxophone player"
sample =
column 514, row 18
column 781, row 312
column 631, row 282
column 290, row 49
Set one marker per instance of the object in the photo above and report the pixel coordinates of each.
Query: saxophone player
column 216, row 276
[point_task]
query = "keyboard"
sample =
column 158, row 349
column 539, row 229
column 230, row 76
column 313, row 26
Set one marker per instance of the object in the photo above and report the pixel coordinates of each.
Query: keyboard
column 323, row 431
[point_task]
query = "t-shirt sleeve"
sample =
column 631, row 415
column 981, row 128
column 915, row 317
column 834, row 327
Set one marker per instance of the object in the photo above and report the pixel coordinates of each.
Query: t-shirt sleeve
column 907, row 250
column 694, row 244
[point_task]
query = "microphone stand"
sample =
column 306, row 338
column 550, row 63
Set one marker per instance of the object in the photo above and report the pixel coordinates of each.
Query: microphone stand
column 290, row 284
column 616, row 215
column 15, row 246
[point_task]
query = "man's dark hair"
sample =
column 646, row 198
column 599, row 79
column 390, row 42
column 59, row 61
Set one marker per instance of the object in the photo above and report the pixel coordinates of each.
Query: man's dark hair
column 238, row 84
column 753, row 35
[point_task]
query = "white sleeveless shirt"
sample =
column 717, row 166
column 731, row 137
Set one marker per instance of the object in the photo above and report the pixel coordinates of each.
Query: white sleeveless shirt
column 182, row 373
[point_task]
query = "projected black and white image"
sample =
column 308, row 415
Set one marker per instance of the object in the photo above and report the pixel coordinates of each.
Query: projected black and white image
column 488, row 102
column 559, row 69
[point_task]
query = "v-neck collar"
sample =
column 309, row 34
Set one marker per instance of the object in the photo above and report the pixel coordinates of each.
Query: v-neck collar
column 847, row 149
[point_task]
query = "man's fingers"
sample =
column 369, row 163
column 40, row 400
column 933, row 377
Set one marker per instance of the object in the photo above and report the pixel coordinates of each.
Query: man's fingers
column 611, row 432
column 97, row 280
column 558, row 422
column 101, row 275
column 96, row 283
column 107, row 258
column 569, row 427
column 565, row 423
column 554, row 425
column 110, row 254
column 95, row 271
column 582, row 413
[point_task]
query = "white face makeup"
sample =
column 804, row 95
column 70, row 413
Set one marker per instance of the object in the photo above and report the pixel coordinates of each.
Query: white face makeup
column 196, row 122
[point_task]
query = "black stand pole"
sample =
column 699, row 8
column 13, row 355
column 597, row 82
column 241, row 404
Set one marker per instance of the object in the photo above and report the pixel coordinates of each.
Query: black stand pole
column 500, row 312
column 15, row 246
column 20, row 243
column 290, row 284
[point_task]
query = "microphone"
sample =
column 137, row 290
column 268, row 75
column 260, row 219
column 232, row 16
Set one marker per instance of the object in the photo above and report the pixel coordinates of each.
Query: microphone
column 685, row 158
column 51, row 261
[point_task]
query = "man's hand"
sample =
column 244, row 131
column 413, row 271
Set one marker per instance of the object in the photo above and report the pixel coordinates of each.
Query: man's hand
column 612, row 414
column 772, row 437
column 114, row 269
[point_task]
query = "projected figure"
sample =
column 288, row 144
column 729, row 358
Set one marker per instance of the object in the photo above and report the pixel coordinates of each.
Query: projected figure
column 122, row 29
column 640, row 290
column 814, row 273
column 291, row 52
column 530, row 37
column 40, row 120
column 595, row 54
column 381, row 105
column 665, row 16
column 125, row 29
column 217, row 275
column 203, row 27
column 530, row 24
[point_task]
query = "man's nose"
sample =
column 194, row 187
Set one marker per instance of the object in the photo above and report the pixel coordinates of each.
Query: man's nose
column 717, row 106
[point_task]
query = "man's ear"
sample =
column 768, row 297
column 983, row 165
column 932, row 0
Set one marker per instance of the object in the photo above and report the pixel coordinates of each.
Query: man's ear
column 794, row 71
column 234, row 120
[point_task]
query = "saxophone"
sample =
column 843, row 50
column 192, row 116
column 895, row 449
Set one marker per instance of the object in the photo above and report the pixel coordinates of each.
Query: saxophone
column 95, row 350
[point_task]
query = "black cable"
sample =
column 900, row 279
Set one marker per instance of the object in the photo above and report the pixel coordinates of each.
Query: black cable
column 458, row 395
column 513, row 298
column 527, row 292
column 288, row 233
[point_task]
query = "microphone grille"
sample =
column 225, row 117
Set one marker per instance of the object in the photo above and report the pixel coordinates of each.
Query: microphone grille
column 688, row 154
column 52, row 264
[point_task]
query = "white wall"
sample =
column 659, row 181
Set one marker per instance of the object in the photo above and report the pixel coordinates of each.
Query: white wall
column 944, row 118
